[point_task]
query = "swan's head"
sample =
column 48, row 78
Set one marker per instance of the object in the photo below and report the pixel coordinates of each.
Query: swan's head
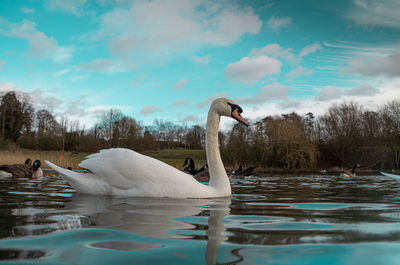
column 228, row 108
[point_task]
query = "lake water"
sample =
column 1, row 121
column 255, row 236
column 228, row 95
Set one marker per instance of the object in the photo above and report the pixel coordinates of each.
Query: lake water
column 273, row 219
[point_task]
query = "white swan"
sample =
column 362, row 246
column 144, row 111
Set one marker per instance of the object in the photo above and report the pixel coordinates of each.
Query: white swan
column 124, row 172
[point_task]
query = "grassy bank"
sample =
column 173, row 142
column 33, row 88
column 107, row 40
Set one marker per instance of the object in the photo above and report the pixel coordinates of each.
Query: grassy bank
column 174, row 158
column 72, row 159
column 64, row 159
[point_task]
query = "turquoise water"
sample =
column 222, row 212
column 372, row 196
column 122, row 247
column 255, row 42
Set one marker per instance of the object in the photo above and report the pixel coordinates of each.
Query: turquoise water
column 271, row 219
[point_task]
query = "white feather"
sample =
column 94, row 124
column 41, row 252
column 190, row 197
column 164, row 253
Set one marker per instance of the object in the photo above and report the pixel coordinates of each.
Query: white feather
column 125, row 172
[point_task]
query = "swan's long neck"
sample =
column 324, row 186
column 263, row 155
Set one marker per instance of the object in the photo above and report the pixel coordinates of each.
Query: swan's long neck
column 218, row 178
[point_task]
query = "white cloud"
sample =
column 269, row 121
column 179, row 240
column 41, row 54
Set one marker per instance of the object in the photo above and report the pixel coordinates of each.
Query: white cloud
column 6, row 86
column 300, row 71
column 61, row 73
column 263, row 61
column 99, row 108
column 387, row 66
column 40, row 45
column 207, row 102
column 161, row 28
column 76, row 107
column 268, row 92
column 375, row 13
column 371, row 61
column 27, row 10
column 149, row 109
column 250, row 70
column 274, row 50
column 312, row 48
column 191, row 118
column 329, row 93
column 290, row 104
column 105, row 66
column 70, row 6
column 201, row 60
column 43, row 100
column 179, row 102
column 363, row 90
column 276, row 23
column 77, row 78
column 180, row 84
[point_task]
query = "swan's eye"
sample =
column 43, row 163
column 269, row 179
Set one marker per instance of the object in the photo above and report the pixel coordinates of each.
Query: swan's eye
column 236, row 110
column 235, row 107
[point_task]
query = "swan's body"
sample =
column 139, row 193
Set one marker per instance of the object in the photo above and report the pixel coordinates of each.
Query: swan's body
column 351, row 173
column 125, row 172
column 396, row 177
column 22, row 170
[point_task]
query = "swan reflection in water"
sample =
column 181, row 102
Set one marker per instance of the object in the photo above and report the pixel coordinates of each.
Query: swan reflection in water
column 155, row 217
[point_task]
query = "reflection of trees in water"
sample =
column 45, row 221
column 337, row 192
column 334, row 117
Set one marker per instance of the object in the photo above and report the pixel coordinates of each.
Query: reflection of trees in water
column 26, row 205
column 362, row 200
column 11, row 254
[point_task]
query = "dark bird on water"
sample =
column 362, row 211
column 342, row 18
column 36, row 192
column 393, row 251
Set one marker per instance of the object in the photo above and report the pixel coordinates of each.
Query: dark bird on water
column 243, row 172
column 25, row 170
column 351, row 173
column 190, row 168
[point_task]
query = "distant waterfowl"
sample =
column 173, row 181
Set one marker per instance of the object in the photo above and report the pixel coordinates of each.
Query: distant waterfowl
column 351, row 173
column 189, row 167
column 6, row 174
column 25, row 170
column 125, row 172
column 37, row 171
column 243, row 172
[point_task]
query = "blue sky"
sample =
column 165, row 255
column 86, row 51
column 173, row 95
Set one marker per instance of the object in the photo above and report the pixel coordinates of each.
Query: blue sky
column 169, row 59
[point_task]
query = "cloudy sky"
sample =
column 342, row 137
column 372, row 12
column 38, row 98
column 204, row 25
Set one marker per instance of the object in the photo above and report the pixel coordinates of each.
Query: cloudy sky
column 169, row 59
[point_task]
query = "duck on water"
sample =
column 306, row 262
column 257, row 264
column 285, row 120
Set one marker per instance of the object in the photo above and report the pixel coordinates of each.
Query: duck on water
column 240, row 172
column 351, row 173
column 189, row 167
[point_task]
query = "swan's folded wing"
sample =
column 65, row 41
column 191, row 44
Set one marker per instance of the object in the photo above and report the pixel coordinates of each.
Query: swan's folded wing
column 126, row 169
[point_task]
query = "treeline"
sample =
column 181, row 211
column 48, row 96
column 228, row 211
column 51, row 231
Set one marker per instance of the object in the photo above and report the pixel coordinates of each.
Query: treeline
column 20, row 124
column 344, row 135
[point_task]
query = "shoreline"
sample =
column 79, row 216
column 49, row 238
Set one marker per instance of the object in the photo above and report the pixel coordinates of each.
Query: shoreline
column 173, row 157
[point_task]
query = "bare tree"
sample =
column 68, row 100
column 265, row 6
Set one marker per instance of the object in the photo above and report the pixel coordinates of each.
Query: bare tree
column 46, row 123
column 341, row 130
column 106, row 125
column 390, row 116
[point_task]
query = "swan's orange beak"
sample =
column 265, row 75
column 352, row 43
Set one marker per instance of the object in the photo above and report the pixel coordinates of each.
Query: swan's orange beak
column 236, row 115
